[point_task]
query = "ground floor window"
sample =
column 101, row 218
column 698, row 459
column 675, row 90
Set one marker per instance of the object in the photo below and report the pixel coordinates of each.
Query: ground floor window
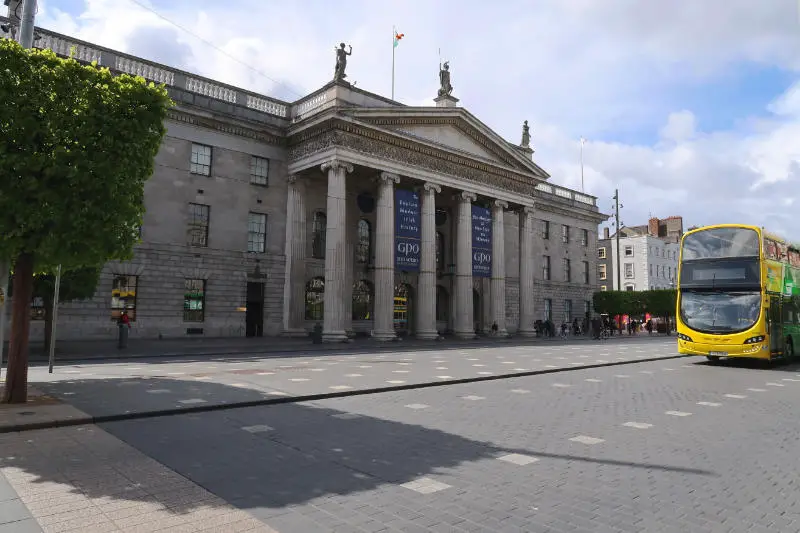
column 123, row 296
column 548, row 310
column 315, row 299
column 194, row 300
column 442, row 304
column 402, row 307
column 362, row 300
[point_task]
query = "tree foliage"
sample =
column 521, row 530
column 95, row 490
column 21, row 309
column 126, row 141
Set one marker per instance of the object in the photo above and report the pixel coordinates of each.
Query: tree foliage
column 660, row 303
column 76, row 147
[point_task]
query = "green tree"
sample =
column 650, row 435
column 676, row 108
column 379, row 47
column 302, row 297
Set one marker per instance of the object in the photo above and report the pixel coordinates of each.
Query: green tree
column 78, row 284
column 77, row 145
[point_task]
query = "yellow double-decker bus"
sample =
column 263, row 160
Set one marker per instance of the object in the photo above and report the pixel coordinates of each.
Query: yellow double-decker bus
column 738, row 294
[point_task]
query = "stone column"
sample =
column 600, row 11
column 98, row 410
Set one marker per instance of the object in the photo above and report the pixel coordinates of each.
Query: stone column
column 335, row 252
column 526, row 233
column 498, row 291
column 426, row 285
column 464, row 324
column 294, row 288
column 384, row 258
column 350, row 237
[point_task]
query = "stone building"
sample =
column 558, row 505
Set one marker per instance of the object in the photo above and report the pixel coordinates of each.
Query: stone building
column 344, row 209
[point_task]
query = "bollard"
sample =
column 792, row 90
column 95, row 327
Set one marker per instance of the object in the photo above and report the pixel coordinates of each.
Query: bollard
column 122, row 340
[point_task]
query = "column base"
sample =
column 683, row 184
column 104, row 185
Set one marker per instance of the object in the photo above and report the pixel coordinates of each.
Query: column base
column 465, row 334
column 334, row 336
column 527, row 333
column 501, row 334
column 295, row 332
column 427, row 335
column 384, row 335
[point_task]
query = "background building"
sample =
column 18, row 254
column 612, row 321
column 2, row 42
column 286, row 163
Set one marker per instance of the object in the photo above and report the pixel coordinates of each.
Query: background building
column 648, row 256
column 266, row 217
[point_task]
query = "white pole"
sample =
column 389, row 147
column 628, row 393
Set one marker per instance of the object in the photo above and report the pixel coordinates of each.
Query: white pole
column 55, row 320
column 582, row 141
column 4, row 270
column 394, row 39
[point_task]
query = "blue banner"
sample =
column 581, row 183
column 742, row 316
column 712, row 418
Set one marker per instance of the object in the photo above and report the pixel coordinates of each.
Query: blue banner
column 481, row 242
column 406, row 230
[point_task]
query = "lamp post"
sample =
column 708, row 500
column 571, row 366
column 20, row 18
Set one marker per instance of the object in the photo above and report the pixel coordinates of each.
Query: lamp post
column 4, row 274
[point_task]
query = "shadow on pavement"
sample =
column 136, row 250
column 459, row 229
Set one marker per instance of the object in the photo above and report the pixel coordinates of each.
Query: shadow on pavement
column 266, row 458
column 755, row 364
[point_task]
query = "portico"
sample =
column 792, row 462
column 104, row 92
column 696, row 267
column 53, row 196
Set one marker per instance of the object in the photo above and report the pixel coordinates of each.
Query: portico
column 417, row 201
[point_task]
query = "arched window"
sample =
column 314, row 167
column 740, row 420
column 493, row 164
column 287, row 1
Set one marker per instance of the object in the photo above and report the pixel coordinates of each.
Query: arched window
column 320, row 228
column 440, row 251
column 315, row 299
column 362, row 300
column 442, row 304
column 364, row 242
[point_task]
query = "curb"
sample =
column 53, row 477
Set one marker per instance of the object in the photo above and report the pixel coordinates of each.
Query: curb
column 389, row 346
column 103, row 419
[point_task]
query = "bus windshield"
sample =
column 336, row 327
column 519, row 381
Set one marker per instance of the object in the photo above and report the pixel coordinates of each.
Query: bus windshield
column 720, row 243
column 719, row 311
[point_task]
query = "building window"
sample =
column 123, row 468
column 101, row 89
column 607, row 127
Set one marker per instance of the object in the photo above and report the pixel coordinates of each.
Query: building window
column 259, row 170
column 586, row 272
column 123, row 296
column 602, row 272
column 440, row 251
column 194, row 300
column 198, row 224
column 364, row 244
column 628, row 251
column 256, row 232
column 629, row 288
column 628, row 270
column 568, row 311
column 545, row 229
column 564, row 233
column 669, row 272
column 315, row 299
column 603, row 288
column 587, row 308
column 362, row 300
column 548, row 310
column 546, row 268
column 585, row 237
column 201, row 160
column 319, row 229
column 37, row 308
column 567, row 270
column 650, row 269
column 601, row 253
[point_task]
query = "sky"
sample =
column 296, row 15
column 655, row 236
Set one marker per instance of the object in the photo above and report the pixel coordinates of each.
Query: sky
column 688, row 107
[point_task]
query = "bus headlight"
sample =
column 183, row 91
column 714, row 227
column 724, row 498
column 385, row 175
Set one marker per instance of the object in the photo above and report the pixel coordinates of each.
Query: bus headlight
column 754, row 340
column 683, row 337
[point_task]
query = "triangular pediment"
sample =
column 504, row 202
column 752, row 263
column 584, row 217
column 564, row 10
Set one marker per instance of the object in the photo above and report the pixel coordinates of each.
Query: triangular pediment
column 453, row 129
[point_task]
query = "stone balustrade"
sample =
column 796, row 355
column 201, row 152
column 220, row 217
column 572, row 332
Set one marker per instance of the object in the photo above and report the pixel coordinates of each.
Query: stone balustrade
column 309, row 105
column 69, row 48
column 567, row 194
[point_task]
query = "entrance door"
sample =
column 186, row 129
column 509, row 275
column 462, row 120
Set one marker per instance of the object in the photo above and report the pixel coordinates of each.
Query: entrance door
column 254, row 315
column 477, row 311
column 775, row 326
column 403, row 311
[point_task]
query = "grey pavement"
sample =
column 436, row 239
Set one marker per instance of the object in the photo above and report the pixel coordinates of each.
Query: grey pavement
column 87, row 350
column 109, row 389
column 664, row 446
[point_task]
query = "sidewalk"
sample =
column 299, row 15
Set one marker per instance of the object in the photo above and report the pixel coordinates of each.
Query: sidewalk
column 88, row 350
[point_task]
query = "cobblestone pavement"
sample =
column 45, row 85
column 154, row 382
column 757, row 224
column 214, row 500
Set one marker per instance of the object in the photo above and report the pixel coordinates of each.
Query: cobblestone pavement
column 663, row 446
column 113, row 388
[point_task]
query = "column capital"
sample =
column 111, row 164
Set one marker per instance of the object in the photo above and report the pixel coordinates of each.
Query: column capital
column 336, row 164
column 465, row 196
column 527, row 210
column 500, row 204
column 428, row 187
column 388, row 178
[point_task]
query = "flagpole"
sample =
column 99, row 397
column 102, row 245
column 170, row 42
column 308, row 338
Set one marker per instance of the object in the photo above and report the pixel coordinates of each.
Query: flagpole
column 582, row 141
column 393, row 47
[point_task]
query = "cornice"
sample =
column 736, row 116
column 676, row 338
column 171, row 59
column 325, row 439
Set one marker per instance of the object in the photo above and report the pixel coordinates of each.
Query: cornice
column 595, row 217
column 177, row 115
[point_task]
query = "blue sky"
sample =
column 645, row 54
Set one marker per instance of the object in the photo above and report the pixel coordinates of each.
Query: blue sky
column 671, row 96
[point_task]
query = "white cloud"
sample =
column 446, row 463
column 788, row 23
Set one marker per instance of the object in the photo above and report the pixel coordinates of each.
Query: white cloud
column 571, row 67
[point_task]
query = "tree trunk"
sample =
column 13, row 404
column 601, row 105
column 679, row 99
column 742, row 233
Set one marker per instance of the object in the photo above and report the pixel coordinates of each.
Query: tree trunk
column 48, row 325
column 16, row 386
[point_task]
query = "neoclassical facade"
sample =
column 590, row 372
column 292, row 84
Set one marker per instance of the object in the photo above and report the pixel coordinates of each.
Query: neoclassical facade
column 344, row 210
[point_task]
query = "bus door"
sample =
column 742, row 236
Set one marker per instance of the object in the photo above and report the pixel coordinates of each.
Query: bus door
column 775, row 326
